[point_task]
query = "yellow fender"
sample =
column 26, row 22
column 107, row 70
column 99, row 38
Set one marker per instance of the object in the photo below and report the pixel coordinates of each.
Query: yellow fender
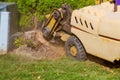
column 101, row 1
column 97, row 1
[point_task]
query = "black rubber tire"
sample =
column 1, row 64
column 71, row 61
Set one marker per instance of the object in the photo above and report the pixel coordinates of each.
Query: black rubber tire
column 45, row 33
column 56, row 14
column 81, row 53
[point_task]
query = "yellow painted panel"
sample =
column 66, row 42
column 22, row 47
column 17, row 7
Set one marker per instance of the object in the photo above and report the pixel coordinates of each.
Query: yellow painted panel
column 99, row 1
column 51, row 23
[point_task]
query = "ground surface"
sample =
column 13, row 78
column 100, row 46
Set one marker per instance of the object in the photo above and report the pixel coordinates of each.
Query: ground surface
column 16, row 67
column 45, row 52
column 48, row 62
column 39, row 48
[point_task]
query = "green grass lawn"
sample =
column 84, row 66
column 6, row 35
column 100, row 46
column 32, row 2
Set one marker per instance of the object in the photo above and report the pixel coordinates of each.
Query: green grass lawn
column 13, row 67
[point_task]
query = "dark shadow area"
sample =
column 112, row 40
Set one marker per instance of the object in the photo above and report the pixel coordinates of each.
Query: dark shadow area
column 103, row 62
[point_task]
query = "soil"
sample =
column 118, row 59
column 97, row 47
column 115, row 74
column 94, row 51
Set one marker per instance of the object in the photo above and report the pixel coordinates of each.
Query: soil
column 49, row 51
column 44, row 50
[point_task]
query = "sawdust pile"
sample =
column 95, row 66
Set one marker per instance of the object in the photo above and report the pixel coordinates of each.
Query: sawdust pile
column 39, row 48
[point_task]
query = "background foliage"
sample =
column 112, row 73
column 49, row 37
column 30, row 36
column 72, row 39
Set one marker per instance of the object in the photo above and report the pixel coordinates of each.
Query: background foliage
column 39, row 8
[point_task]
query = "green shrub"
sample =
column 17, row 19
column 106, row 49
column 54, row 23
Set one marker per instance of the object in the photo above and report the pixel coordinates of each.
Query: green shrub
column 39, row 8
column 18, row 41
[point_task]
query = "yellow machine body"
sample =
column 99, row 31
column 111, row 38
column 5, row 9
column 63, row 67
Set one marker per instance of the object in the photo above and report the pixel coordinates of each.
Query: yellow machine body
column 97, row 27
column 101, row 1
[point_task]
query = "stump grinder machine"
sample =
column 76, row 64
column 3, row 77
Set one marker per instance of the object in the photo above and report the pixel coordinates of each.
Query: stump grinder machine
column 92, row 29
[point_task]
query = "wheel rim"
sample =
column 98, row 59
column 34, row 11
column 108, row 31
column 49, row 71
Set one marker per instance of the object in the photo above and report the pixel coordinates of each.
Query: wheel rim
column 73, row 51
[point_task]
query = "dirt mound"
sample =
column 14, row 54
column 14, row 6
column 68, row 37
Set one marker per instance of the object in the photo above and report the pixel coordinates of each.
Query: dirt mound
column 39, row 48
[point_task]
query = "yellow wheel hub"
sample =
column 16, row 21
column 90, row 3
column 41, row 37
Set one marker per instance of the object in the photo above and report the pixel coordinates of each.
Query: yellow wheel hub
column 73, row 51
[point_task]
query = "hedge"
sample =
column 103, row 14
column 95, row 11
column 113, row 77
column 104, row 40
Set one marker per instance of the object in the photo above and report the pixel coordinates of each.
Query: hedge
column 39, row 8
